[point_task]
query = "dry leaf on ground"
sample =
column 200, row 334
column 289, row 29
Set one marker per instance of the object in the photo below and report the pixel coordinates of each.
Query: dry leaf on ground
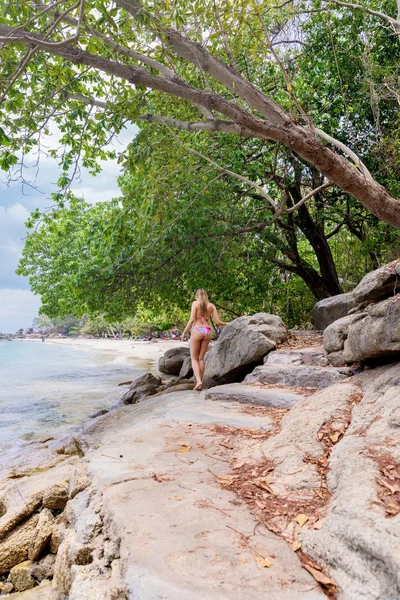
column 319, row 576
column 296, row 545
column 262, row 561
column 302, row 519
column 185, row 448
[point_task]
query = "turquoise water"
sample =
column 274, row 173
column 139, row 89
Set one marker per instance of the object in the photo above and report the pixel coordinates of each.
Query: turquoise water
column 50, row 389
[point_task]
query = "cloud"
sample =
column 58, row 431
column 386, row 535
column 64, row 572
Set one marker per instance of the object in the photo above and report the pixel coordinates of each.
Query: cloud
column 18, row 308
column 12, row 232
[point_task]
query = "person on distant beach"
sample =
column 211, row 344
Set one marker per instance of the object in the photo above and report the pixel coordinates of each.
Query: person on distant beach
column 200, row 337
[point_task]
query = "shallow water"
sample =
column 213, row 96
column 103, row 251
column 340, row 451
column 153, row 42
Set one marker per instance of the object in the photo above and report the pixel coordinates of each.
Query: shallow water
column 51, row 389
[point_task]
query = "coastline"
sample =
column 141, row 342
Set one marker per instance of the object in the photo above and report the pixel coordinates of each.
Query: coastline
column 123, row 350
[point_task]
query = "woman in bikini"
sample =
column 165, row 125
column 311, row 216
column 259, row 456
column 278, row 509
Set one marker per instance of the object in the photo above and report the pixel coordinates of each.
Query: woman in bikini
column 202, row 310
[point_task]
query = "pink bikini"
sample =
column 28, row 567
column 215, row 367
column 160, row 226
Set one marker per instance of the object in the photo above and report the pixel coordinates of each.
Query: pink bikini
column 204, row 329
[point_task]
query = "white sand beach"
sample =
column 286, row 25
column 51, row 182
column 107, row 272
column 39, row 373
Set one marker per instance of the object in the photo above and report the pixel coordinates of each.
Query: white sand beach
column 125, row 349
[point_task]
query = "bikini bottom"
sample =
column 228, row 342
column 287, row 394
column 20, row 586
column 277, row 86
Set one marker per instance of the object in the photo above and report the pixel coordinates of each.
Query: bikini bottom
column 204, row 330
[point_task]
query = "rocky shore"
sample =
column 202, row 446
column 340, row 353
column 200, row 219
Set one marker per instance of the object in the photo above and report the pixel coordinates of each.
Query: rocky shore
column 281, row 479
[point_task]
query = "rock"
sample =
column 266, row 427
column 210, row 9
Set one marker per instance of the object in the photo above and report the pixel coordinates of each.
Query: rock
column 358, row 538
column 295, row 376
column 42, row 592
column 241, row 346
column 3, row 508
column 336, row 359
column 303, row 356
column 42, row 535
column 250, row 394
column 146, row 379
column 145, row 385
column 7, row 588
column 328, row 310
column 336, row 333
column 186, row 370
column 44, row 569
column 98, row 413
column 21, row 578
column 19, row 512
column 173, row 359
column 179, row 387
column 56, row 496
column 378, row 285
column 14, row 548
column 58, row 534
column 134, row 395
column 79, row 481
column 375, row 336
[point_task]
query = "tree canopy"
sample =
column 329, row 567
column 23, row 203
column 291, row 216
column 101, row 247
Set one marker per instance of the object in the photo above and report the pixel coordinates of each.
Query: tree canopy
column 268, row 144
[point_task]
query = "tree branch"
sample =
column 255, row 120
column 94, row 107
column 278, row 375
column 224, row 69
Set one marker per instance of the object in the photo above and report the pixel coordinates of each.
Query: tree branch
column 394, row 23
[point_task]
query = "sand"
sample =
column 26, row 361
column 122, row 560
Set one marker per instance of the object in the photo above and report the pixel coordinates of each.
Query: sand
column 125, row 349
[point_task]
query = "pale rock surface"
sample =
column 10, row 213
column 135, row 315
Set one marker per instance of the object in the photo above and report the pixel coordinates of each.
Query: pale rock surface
column 328, row 310
column 21, row 578
column 298, row 439
column 181, row 545
column 295, row 376
column 241, row 346
column 42, row 592
column 15, row 546
column 44, row 530
column 359, row 544
column 257, row 396
column 314, row 357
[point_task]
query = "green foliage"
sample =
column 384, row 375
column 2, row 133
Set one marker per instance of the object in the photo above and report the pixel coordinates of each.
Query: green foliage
column 180, row 224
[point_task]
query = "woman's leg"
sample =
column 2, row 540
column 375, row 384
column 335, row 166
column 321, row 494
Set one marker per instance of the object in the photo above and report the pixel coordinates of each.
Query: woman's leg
column 203, row 349
column 195, row 344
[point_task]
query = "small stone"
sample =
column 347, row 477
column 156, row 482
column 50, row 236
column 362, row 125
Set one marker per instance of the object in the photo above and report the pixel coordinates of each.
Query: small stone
column 21, row 577
column 7, row 588
column 56, row 496
column 42, row 535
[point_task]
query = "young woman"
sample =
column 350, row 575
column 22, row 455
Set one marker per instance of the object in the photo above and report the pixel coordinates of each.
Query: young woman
column 202, row 310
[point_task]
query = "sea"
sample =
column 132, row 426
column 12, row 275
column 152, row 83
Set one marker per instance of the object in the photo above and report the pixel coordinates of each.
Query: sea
column 50, row 390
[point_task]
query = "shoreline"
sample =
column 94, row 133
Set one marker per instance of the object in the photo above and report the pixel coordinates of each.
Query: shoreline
column 125, row 350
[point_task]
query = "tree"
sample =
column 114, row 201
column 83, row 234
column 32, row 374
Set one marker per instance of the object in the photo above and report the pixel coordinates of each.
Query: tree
column 81, row 69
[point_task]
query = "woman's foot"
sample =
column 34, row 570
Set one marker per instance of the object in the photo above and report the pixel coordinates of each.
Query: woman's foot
column 198, row 386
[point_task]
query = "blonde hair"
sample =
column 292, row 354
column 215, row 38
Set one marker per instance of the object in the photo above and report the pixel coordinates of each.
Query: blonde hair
column 202, row 297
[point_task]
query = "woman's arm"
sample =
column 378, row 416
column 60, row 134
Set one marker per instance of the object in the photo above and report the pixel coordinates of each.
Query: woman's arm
column 217, row 318
column 190, row 322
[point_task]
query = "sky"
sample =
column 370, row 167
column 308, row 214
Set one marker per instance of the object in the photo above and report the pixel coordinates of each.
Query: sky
column 18, row 305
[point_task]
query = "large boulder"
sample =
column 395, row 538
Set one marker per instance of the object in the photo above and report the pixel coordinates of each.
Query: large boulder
column 371, row 335
column 335, row 336
column 241, row 346
column 378, row 284
column 377, row 335
column 328, row 310
column 172, row 361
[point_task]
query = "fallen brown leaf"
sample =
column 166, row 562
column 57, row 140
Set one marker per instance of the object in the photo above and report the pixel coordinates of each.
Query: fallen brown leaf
column 302, row 519
column 319, row 576
column 296, row 545
column 160, row 478
column 260, row 560
column 185, row 448
column 226, row 444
